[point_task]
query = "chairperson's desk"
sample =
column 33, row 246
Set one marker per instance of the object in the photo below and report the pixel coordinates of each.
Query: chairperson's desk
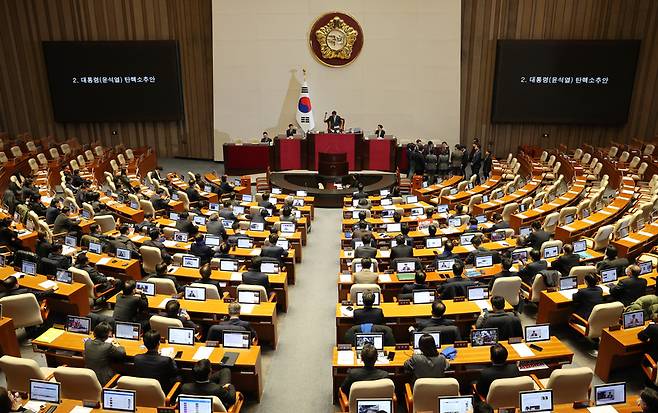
column 60, row 347
column 467, row 364
column 261, row 316
column 247, row 158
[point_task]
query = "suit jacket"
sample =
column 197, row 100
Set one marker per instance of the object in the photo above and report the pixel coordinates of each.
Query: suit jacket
column 273, row 251
column 152, row 365
column 368, row 315
column 455, row 287
column 402, row 251
column 63, row 224
column 536, row 238
column 500, row 225
column 564, row 263
column 192, row 194
column 365, row 277
column 489, row 374
column 51, row 214
column 63, row 261
column 157, row 244
column 159, row 203
column 619, row 263
column 650, row 334
column 183, row 225
column 585, row 299
column 210, row 282
column 214, row 227
column 215, row 332
column 168, row 277
column 98, row 355
column 256, row 278
column 226, row 395
column 629, row 290
column 481, row 252
column 361, row 374
column 528, row 272
column 128, row 307
column 202, row 251
column 291, row 132
column 365, row 251
column 508, row 324
column 434, row 322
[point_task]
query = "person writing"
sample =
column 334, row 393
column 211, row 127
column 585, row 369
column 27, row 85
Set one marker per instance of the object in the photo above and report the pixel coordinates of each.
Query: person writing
column 334, row 122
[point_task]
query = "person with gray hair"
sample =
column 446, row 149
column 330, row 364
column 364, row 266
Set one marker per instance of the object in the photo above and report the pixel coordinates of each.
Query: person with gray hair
column 232, row 323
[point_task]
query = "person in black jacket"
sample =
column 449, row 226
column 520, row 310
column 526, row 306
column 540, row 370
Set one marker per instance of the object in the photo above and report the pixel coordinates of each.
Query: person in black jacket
column 366, row 250
column 631, row 288
column 476, row 162
column 155, row 241
column 206, row 384
column 447, row 253
column 161, row 272
column 233, row 323
column 611, row 260
column 487, row 164
column 419, row 284
column 201, row 250
column 365, row 373
column 480, row 251
column 437, row 319
column 418, row 160
column 152, row 365
column 225, row 187
column 291, row 131
column 131, row 305
column 256, row 277
column 507, row 323
column 499, row 223
column 498, row 370
column 63, row 261
column 650, row 335
column 360, row 193
column 528, row 272
column 185, row 225
column 206, row 271
column 586, row 298
column 401, row 249
column 455, row 286
column 368, row 314
column 537, row 237
column 82, row 263
column 173, row 310
column 273, row 250
column 160, row 200
column 565, row 262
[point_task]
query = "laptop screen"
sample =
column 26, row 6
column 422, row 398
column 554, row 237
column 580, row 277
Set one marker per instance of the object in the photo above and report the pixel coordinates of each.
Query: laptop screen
column 417, row 211
column 444, row 265
column 453, row 191
column 123, row 253
column 386, row 202
column 248, row 297
column 257, row 226
column 211, row 240
column 374, row 405
column 405, row 266
column 227, row 223
column 435, row 335
column 134, row 205
column 579, row 246
column 423, row 296
column 633, row 319
column 298, row 202
column 397, row 227
column 147, row 288
column 609, row 275
column 238, row 210
column 411, row 199
column 477, row 293
column 64, row 276
column 442, row 208
column 433, row 242
column 536, row 401
column 454, row 222
column 269, row 267
column 178, row 335
column 519, row 255
column 236, row 339
column 123, row 400
column 525, row 231
column 485, row 199
column 539, row 332
column 456, row 404
column 86, row 214
column 612, row 393
column 247, row 198
column 376, row 339
column 484, row 337
column 44, row 391
column 245, row 243
column 213, row 206
column 191, row 261
column 622, row 233
column 75, row 324
column 498, row 235
column 70, row 241
column 645, row 267
column 195, row 404
column 481, row 219
column 228, row 265
column 359, row 298
column 95, row 247
column 483, row 261
column 288, row 227
column 173, row 216
column 538, row 202
column 466, row 239
column 568, row 283
column 29, row 267
column 195, row 293
column 551, row 252
column 569, row 219
column 128, row 331
column 283, row 243
column 180, row 236
column 199, row 220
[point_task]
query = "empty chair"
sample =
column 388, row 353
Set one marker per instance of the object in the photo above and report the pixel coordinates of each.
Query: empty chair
column 382, row 388
column 578, row 153
column 66, row 148
column 182, row 196
column 603, row 316
column 567, row 212
column 211, row 290
column 601, row 238
column 596, row 172
column 121, row 159
column 634, row 163
column 34, row 166
column 543, row 157
column 621, row 227
column 580, row 271
column 514, row 172
column 475, row 200
column 90, row 210
column 505, row 392
column 19, row 371
column 54, row 154
column 585, row 159
column 538, row 285
column 164, row 286
column 130, row 155
column 161, row 324
column 78, row 383
column 106, row 223
column 81, row 161
column 16, row 151
column 23, row 309
column 89, row 155
column 613, row 152
column 43, row 161
column 624, row 156
column 74, row 165
column 99, row 151
column 554, row 173
column 151, row 256
column 507, row 287
column 648, row 150
column 427, row 390
column 550, row 222
column 639, row 176
column 31, row 147
column 462, row 186
column 569, row 385
column 148, row 391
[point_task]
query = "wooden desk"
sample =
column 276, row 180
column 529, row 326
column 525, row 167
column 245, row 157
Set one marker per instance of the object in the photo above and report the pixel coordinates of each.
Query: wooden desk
column 262, row 317
column 182, row 186
column 426, row 193
column 246, row 374
column 123, row 210
column 619, row 348
column 116, row 267
column 464, row 196
column 637, row 242
column 8, row 341
column 497, row 205
column 243, row 188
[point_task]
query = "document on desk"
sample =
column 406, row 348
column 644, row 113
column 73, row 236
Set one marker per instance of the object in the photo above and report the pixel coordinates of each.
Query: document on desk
column 384, row 278
column 523, row 350
column 483, row 304
column 167, row 352
column 632, row 240
column 247, row 308
column 203, row 353
column 345, row 278
column 522, row 216
column 469, row 248
column 345, row 358
column 68, row 251
column 169, row 243
column 568, row 228
column 255, row 252
column 345, row 312
column 605, row 289
column 48, row 284
column 385, row 253
column 588, row 221
column 18, row 275
column 569, row 293
column 81, row 409
column 236, row 276
column 34, row 405
column 104, row 261
column 646, row 234
column 602, row 409
column 604, row 212
column 50, row 335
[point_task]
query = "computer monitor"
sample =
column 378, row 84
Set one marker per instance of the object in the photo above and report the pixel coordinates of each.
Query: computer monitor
column 70, row 241
column 213, row 206
column 411, row 199
column 29, row 267
column 536, row 401
column 388, row 213
column 525, row 231
column 454, row 222
column 257, row 226
column 477, row 293
column 283, row 243
column 613, row 393
column 238, row 210
column 123, row 253
column 551, row 252
column 199, row 220
column 384, row 192
column 585, row 213
column 537, row 332
column 423, row 296
column 134, row 205
column 355, row 202
column 523, row 207
column 374, row 405
column 245, row 243
column 29, row 225
column 470, row 185
column 569, row 219
column 288, row 227
column 190, row 261
column 228, row 265
column 609, row 275
column 180, row 335
column 212, row 241
column 579, row 246
column 453, row 191
column 481, row 219
column 123, row 400
column 645, row 267
column 195, row 293
column 425, row 184
column 386, row 202
column 207, row 188
column 269, row 267
column 485, row 199
column 301, row 193
column 568, row 283
column 95, row 247
column 236, row 339
column 181, row 236
column 195, row 404
column 433, row 242
column 148, row 288
column 455, row 404
column 396, row 227
column 297, row 202
column 76, row 324
column 484, row 337
column 633, row 319
column 483, row 261
column 86, row 214
column 248, row 297
column 417, row 211
column 622, row 233
column 128, row 331
column 358, row 266
column 64, row 276
column 227, row 223
column 359, row 298
column 444, row 265
column 498, row 235
column 405, row 266
column 519, row 255
column 45, row 391
column 376, row 339
column 247, row 198
column 442, row 208
column 2, row 260
column 466, row 239
column 174, row 216
column 538, row 202
column 435, row 335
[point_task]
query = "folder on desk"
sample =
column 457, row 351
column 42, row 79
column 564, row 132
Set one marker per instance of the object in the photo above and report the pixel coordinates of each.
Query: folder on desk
column 229, row 359
column 50, row 335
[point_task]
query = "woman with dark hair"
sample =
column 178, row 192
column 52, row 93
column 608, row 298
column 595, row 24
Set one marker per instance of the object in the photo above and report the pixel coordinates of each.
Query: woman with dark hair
column 429, row 363
column 9, row 402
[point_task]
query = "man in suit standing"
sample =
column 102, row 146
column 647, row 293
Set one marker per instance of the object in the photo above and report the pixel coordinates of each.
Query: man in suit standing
column 334, row 122
column 499, row 369
column 380, row 132
column 366, row 250
column 291, row 131
column 365, row 373
column 207, row 384
column 99, row 354
column 537, row 237
column 152, row 365
column 565, row 262
column 528, row 272
column 476, row 162
column 401, row 249
column 368, row 314
column 233, row 323
column 631, row 288
column 256, row 277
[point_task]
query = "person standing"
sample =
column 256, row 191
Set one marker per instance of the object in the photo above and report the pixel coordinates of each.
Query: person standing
column 456, row 158
column 431, row 166
column 487, row 164
column 291, row 131
column 334, row 122
column 444, row 161
column 380, row 132
column 476, row 162
column 410, row 151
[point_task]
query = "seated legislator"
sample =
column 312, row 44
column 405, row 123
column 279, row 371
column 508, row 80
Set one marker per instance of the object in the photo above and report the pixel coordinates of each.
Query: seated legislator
column 368, row 314
column 586, row 298
column 206, row 271
column 360, row 230
column 611, row 260
column 156, row 241
column 200, row 249
column 215, row 227
column 225, row 187
column 366, row 275
column 334, row 122
column 173, row 310
column 366, row 373
column 480, row 251
column 499, row 369
column 256, row 277
column 261, row 216
column 506, row 263
column 447, row 253
column 123, row 241
column 537, row 237
column 233, row 323
column 272, row 250
column 648, row 400
column 499, row 222
column 429, row 363
column 63, row 261
column 82, row 263
column 650, row 335
column 565, row 262
column 161, row 272
column 185, row 225
column 401, row 249
column 629, row 289
column 206, row 383
column 528, row 271
column 131, row 305
column 286, row 214
column 419, row 284
column 455, row 286
column 508, row 324
column 366, row 250
column 226, row 211
column 152, row 365
column 437, row 319
column 99, row 354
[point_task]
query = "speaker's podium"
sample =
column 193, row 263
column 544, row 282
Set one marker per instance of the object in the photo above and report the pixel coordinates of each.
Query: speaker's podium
column 333, row 164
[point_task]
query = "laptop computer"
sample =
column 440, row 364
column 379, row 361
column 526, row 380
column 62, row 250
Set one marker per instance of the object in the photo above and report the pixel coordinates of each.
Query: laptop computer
column 148, row 288
column 374, row 405
column 537, row 332
column 551, row 252
column 194, row 293
column 536, row 401
column 568, row 283
column 633, row 319
column 195, row 404
column 248, row 297
column 228, row 265
column 45, row 391
column 211, row 240
column 257, row 226
column 477, row 293
column 95, row 247
column 466, row 239
column 29, row 267
column 442, row 208
column 122, row 400
column 376, row 339
column 483, row 261
column 607, row 394
column 77, row 324
column 645, row 267
column 423, row 296
column 455, row 404
column 180, row 335
column 269, row 267
column 190, row 261
column 444, row 264
column 359, row 298
column 123, row 253
column 199, row 220
column 236, row 339
column 128, row 331
column 609, row 276
column 454, row 222
column 408, row 267
column 525, row 231
column 484, row 337
column 64, row 276
column 580, row 248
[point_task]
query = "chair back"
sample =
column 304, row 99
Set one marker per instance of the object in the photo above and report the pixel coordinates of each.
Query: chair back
column 565, row 212
column 82, row 276
column 580, row 271
column 509, row 210
column 182, row 196
column 147, row 206
column 248, row 287
column 570, row 385
column 99, row 151
column 648, row 150
column 43, row 161
column 538, row 285
column 372, row 389
column 550, row 222
column 549, row 244
column 148, row 391
column 89, row 155
column 211, row 290
column 19, row 371
column 161, row 324
column 164, row 286
column 621, row 225
column 31, row 146
column 54, row 154
column 475, row 200
column 462, row 186
column 543, row 156
column 105, row 222
column 34, row 166
column 66, row 148
column 361, row 288
column 505, row 392
column 121, row 159
column 602, row 237
column 151, row 256
column 129, row 154
column 23, row 309
column 603, row 316
column 585, row 159
column 16, row 151
column 374, row 266
column 508, row 288
column 578, row 153
column 78, row 383
column 613, row 152
column 427, row 390
column 624, row 156
column 634, row 162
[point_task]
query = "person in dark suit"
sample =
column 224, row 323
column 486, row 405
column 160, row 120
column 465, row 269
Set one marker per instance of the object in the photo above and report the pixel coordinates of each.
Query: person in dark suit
column 429, row 363
column 185, row 225
column 437, row 319
column 160, row 200
column 63, row 261
column 368, row 314
column 131, row 305
column 63, row 223
column 480, row 251
column 506, row 263
column 528, row 272
column 161, row 272
column 537, row 237
column 648, row 400
column 360, row 192
column 586, row 298
column 233, row 323
column 291, row 131
column 273, row 250
column 155, row 242
column 256, row 277
column 217, row 384
column 401, row 249
column 334, row 122
column 225, row 187
column 507, row 323
column 476, row 162
column 498, row 370
column 455, row 286
column 487, row 164
column 380, row 132
column 447, row 253
column 565, row 262
column 215, row 227
column 201, row 250
column 650, row 335
column 611, row 260
column 11, row 287
column 152, row 365
column 266, row 138
column 499, row 223
column 192, row 192
column 631, row 288
column 266, row 203
column 99, row 354
column 53, row 211
column 205, row 271
column 366, row 250
column 367, row 372
column 418, row 284
column 123, row 241
column 418, row 160
column 105, row 283
column 173, row 310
